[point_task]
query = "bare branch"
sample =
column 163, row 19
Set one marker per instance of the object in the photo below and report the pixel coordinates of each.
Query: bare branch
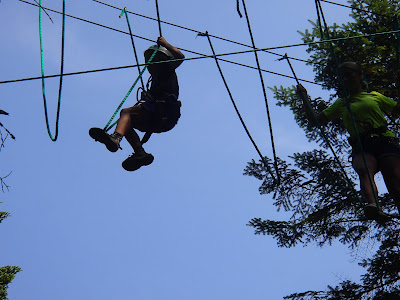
column 3, row 183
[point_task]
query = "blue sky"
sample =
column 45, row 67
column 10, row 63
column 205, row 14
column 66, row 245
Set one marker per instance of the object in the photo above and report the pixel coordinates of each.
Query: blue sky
column 83, row 228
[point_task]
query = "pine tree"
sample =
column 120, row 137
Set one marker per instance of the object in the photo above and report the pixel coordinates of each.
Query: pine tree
column 7, row 273
column 318, row 188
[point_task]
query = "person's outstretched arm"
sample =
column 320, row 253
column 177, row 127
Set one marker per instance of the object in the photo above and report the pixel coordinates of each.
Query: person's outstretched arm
column 313, row 117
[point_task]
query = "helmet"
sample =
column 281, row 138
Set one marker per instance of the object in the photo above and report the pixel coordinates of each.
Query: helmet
column 350, row 65
column 160, row 49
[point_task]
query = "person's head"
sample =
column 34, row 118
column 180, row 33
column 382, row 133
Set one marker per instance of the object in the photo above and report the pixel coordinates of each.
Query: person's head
column 162, row 54
column 352, row 75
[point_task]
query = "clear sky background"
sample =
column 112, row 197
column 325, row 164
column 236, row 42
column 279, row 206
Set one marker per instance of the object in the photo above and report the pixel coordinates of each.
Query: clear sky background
column 83, row 228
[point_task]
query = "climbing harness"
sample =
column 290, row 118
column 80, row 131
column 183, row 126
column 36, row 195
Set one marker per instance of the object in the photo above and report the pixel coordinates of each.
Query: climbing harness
column 108, row 126
column 53, row 138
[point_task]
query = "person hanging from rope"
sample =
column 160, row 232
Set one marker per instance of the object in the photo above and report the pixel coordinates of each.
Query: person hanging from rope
column 381, row 147
column 157, row 111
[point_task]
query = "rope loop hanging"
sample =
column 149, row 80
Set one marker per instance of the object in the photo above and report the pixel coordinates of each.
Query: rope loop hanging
column 264, row 90
column 53, row 138
column 237, row 110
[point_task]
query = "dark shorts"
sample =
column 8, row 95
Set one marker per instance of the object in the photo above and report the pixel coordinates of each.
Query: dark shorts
column 379, row 147
column 165, row 113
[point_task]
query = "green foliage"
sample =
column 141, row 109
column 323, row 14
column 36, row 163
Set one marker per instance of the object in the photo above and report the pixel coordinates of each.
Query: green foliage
column 319, row 190
column 3, row 215
column 7, row 274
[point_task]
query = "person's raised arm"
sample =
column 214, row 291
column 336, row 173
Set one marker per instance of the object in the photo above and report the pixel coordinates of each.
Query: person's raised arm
column 174, row 51
column 313, row 117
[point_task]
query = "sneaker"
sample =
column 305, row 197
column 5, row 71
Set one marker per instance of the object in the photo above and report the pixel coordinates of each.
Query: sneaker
column 99, row 135
column 135, row 161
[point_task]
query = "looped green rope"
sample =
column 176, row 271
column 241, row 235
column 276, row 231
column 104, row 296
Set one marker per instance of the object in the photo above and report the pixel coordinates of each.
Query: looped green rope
column 108, row 127
column 61, row 72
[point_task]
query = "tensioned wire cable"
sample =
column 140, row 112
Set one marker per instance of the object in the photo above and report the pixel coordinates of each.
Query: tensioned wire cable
column 120, row 31
column 237, row 110
column 264, row 93
column 53, row 138
column 196, row 31
column 206, row 56
column 320, row 14
column 202, row 55
column 352, row 7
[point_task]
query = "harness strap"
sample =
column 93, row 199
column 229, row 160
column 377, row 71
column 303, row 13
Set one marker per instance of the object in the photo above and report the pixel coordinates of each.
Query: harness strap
column 146, row 137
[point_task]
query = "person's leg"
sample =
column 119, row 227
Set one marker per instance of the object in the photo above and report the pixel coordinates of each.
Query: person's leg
column 368, row 186
column 133, row 117
column 134, row 140
column 368, row 191
column 390, row 169
column 139, row 118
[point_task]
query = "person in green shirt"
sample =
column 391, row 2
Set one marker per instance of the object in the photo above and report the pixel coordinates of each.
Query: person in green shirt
column 381, row 147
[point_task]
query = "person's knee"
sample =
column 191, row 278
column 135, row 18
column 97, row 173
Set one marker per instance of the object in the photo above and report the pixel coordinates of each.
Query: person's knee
column 125, row 111
column 361, row 170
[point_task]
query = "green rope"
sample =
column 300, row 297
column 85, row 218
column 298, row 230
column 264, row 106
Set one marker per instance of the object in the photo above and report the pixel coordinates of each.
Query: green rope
column 108, row 127
column 133, row 43
column 43, row 76
column 264, row 92
column 237, row 110
column 347, row 102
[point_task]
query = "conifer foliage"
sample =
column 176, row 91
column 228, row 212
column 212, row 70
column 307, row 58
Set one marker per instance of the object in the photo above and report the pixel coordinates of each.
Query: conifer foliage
column 7, row 273
column 320, row 190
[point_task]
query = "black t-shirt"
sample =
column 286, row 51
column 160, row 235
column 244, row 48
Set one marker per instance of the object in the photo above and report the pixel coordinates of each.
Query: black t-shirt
column 164, row 84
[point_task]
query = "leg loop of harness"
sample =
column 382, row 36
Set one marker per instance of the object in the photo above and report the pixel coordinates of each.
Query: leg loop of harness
column 166, row 115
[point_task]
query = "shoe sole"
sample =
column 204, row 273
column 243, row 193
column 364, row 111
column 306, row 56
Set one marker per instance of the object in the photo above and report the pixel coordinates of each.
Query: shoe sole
column 135, row 164
column 99, row 135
